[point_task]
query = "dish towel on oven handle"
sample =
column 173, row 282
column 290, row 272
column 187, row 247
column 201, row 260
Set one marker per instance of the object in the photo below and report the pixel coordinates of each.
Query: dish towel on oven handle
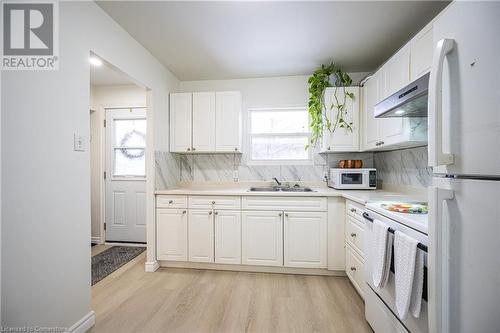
column 409, row 275
column 382, row 250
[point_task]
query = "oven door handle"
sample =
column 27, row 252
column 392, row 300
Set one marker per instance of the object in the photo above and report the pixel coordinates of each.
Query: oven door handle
column 367, row 216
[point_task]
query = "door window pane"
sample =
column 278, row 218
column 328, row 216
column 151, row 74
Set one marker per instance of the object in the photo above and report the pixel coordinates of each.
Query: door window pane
column 130, row 133
column 130, row 162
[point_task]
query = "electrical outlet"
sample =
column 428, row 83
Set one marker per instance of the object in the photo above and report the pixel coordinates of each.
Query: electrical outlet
column 78, row 143
column 235, row 175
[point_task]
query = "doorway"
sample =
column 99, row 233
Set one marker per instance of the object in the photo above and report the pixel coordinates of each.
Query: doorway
column 125, row 175
column 118, row 122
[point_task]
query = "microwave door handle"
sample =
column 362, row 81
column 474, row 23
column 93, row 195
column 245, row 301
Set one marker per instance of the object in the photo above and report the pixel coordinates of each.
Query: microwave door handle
column 438, row 261
column 435, row 114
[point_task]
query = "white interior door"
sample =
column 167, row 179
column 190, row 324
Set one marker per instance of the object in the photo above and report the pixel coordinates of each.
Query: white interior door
column 126, row 175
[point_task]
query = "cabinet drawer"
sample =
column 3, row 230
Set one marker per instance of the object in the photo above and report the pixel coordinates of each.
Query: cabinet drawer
column 307, row 204
column 214, row 202
column 354, row 234
column 354, row 270
column 355, row 209
column 171, row 201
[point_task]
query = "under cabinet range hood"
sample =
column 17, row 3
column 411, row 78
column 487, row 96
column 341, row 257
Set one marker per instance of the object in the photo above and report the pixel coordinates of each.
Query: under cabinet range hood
column 411, row 101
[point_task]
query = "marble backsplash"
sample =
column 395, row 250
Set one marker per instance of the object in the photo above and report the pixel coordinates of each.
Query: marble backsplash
column 404, row 167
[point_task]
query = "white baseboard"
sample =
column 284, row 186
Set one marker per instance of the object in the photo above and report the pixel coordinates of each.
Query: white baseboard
column 151, row 266
column 249, row 268
column 84, row 324
column 125, row 244
column 96, row 240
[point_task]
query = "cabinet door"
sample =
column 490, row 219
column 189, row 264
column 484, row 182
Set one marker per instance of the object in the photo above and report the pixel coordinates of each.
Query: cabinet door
column 262, row 238
column 180, row 122
column 397, row 71
column 370, row 123
column 228, row 236
column 201, row 235
column 204, row 121
column 227, row 121
column 343, row 139
column 305, row 239
column 421, row 53
column 171, row 234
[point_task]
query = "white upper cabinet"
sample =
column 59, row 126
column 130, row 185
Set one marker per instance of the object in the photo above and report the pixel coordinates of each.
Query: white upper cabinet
column 204, row 121
column 370, row 123
column 342, row 139
column 396, row 72
column 227, row 120
column 180, row 122
column 421, row 53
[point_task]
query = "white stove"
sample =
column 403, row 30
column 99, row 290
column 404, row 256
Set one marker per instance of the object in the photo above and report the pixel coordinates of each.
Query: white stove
column 418, row 222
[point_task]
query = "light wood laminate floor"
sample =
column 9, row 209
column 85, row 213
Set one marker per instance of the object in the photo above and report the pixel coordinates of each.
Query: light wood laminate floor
column 188, row 300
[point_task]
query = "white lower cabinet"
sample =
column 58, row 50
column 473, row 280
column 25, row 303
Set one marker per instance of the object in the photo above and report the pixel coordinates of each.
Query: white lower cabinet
column 354, row 270
column 228, row 237
column 262, row 238
column 201, row 235
column 305, row 239
column 172, row 227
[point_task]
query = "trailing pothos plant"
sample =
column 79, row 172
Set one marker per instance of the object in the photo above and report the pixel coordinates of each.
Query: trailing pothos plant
column 321, row 79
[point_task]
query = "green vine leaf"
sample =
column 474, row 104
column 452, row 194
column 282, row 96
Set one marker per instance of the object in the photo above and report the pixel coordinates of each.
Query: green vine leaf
column 318, row 82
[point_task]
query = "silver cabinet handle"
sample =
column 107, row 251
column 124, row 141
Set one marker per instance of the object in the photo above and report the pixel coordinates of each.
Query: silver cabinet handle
column 189, row 149
column 194, row 148
column 329, row 148
column 286, row 214
column 353, row 234
column 382, row 142
column 213, row 202
column 353, row 210
column 235, row 149
column 184, row 212
column 210, row 213
column 280, row 214
column 216, row 213
column 170, row 201
column 353, row 269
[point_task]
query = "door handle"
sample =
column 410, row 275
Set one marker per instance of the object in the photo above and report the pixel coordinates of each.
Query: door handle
column 436, row 154
column 438, row 261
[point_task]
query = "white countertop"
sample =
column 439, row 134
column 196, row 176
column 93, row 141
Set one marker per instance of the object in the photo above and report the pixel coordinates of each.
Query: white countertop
column 242, row 189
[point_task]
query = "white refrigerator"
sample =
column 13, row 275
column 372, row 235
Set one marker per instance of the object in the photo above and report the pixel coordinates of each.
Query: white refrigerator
column 464, row 152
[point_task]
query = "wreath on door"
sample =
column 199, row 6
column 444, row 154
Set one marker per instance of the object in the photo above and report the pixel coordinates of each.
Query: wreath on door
column 124, row 141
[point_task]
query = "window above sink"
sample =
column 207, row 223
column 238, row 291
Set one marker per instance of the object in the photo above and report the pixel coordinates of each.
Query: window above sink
column 278, row 136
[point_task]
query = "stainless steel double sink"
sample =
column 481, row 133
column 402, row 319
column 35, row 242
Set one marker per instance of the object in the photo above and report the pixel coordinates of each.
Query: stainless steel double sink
column 295, row 188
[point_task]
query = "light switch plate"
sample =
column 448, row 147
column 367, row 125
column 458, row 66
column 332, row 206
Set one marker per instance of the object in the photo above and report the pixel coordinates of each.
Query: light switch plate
column 78, row 143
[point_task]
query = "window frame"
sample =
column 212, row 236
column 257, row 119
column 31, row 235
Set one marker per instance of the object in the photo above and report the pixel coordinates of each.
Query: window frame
column 250, row 161
column 114, row 148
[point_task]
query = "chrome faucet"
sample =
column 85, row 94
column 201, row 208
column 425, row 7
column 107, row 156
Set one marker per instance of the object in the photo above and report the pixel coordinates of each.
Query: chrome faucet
column 277, row 181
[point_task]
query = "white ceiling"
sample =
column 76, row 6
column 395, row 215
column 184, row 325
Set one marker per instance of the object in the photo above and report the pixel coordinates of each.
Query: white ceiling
column 104, row 75
column 222, row 40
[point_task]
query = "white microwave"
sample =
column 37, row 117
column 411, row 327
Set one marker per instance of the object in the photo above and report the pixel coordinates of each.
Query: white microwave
column 353, row 179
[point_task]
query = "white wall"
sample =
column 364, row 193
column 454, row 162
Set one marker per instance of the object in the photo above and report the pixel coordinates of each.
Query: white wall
column 100, row 98
column 45, row 184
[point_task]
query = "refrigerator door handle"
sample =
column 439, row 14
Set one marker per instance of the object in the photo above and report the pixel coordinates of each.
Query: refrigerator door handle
column 438, row 261
column 435, row 117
